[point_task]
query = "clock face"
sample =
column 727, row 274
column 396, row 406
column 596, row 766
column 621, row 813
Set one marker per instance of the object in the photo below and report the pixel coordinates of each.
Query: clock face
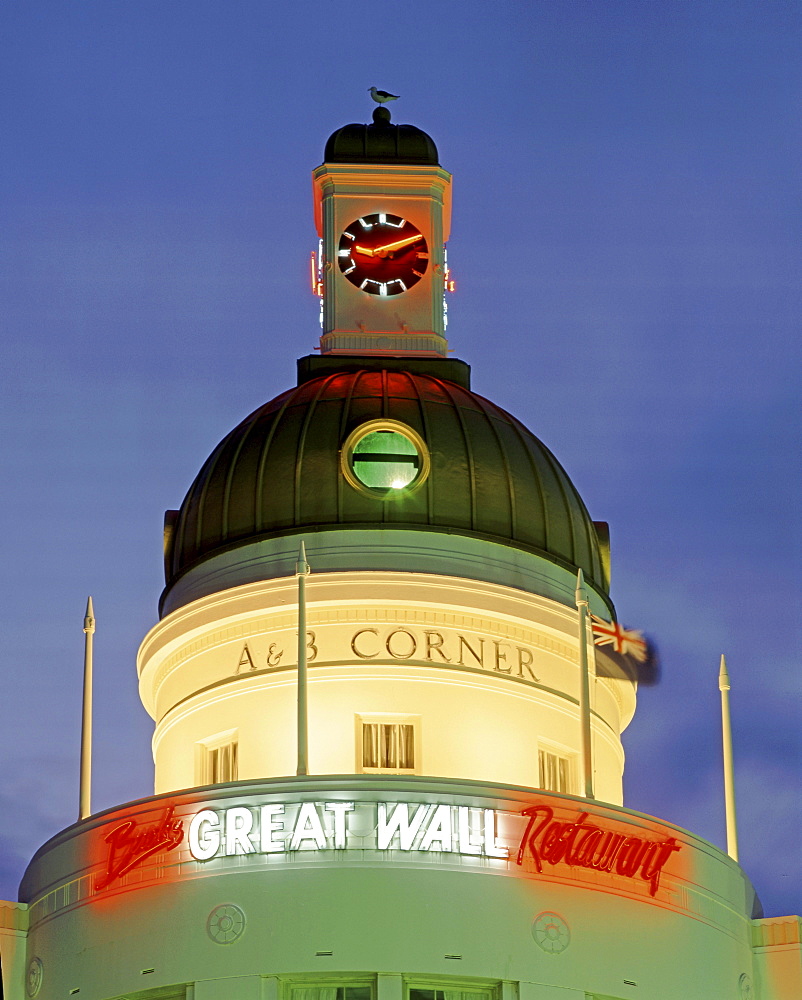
column 383, row 254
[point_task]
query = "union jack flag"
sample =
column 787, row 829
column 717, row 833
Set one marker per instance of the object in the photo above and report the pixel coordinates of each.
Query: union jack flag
column 627, row 642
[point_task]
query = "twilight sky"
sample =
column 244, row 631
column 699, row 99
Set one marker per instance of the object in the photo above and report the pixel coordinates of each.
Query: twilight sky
column 626, row 242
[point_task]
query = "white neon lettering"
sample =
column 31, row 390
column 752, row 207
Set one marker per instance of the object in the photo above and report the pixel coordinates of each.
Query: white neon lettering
column 382, row 219
column 268, row 826
column 366, row 225
column 204, row 835
column 491, row 848
column 398, row 822
column 239, row 821
column 308, row 827
column 399, row 224
column 349, row 269
column 466, row 844
column 343, row 253
column 338, row 810
column 349, row 235
column 438, row 831
column 404, row 826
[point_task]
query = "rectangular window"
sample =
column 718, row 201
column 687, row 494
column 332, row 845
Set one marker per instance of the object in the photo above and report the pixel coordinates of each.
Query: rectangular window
column 329, row 991
column 217, row 760
column 222, row 763
column 387, row 744
column 555, row 771
column 450, row 993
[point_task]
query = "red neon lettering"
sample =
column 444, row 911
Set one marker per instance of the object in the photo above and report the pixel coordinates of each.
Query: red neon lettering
column 584, row 845
column 129, row 845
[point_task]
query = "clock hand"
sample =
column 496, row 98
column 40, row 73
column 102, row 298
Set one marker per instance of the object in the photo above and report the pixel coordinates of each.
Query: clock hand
column 388, row 248
column 391, row 247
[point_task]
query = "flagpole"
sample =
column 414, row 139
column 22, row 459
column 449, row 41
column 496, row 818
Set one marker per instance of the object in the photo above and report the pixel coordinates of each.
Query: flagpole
column 729, row 771
column 584, row 684
column 85, row 791
column 302, row 572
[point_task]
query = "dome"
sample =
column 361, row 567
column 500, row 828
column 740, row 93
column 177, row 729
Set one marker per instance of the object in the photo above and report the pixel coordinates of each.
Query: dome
column 306, row 462
column 381, row 142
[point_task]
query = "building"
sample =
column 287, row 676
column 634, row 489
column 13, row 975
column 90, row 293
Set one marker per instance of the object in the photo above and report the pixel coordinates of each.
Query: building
column 424, row 827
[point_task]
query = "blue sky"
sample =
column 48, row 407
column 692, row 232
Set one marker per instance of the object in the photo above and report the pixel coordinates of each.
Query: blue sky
column 626, row 244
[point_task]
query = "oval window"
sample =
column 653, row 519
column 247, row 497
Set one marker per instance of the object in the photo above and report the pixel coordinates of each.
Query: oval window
column 385, row 458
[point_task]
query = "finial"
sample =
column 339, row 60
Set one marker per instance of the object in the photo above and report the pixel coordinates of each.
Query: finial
column 381, row 116
column 581, row 595
column 302, row 566
column 89, row 617
column 723, row 676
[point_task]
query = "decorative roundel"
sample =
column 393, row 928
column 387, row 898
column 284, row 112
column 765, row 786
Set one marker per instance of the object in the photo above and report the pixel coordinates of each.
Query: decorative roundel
column 745, row 991
column 385, row 458
column 226, row 923
column 383, row 254
column 33, row 981
column 551, row 932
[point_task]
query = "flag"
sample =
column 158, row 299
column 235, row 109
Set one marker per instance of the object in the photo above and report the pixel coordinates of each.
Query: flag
column 624, row 652
column 626, row 641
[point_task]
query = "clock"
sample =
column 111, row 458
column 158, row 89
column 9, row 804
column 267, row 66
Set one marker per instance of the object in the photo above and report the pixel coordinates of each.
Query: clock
column 383, row 254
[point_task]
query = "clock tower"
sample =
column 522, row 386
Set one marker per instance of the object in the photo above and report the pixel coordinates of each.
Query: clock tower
column 383, row 213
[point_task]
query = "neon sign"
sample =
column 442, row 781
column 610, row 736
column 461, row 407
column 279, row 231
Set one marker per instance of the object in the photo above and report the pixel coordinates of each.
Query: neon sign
column 129, row 844
column 585, row 845
column 272, row 829
column 278, row 829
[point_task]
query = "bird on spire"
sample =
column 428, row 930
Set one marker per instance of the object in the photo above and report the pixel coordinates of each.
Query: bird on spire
column 381, row 96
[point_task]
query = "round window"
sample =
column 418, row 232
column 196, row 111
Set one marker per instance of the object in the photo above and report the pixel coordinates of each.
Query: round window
column 385, row 458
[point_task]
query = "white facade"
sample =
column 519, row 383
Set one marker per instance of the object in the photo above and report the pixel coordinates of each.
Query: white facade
column 476, row 668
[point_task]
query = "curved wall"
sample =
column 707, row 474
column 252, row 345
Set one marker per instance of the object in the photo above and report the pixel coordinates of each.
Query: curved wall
column 488, row 676
column 458, row 911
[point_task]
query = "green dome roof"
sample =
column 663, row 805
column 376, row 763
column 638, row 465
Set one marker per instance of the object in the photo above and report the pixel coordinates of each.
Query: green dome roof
column 280, row 472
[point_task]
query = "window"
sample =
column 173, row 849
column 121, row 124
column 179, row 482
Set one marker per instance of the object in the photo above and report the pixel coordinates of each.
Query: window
column 384, row 458
column 386, row 744
column 451, row 992
column 555, row 771
column 217, row 759
column 328, row 991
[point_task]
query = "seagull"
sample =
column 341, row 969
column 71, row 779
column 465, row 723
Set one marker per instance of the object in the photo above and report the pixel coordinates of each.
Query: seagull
column 381, row 96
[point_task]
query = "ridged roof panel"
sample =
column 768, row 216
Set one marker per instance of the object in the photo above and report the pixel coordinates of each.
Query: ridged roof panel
column 279, row 471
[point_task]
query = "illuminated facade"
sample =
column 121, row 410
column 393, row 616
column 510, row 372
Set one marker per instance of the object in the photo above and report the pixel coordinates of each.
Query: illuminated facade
column 442, row 845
